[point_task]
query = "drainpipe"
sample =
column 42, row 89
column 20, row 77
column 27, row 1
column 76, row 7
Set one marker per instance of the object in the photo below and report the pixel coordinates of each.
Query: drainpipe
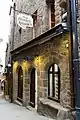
column 75, row 56
column 71, row 66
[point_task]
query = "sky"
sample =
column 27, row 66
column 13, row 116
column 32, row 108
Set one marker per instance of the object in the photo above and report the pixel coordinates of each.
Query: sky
column 4, row 27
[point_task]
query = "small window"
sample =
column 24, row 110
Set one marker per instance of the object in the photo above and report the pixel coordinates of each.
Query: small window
column 35, row 18
column 52, row 15
column 20, row 30
column 54, row 82
column 34, row 24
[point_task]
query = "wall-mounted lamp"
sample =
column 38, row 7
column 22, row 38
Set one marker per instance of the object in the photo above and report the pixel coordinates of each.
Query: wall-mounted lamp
column 37, row 56
column 24, row 60
column 67, row 45
column 9, row 65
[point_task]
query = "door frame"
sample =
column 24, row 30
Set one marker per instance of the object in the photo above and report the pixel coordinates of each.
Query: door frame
column 35, row 87
column 20, row 99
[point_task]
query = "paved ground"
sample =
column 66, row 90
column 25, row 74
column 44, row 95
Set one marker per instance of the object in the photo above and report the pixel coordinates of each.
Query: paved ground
column 11, row 111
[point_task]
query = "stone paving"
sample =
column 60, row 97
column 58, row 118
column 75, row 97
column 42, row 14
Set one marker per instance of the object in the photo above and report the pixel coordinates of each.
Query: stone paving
column 11, row 111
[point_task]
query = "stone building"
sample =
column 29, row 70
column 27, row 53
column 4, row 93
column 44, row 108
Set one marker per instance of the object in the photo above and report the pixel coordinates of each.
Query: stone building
column 41, row 58
column 7, row 69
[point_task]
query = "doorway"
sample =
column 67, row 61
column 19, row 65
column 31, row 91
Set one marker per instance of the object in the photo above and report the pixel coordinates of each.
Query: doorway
column 20, row 84
column 32, row 88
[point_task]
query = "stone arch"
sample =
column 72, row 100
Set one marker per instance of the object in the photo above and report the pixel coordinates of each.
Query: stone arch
column 50, row 61
column 63, row 65
column 18, row 66
column 20, row 83
column 43, row 80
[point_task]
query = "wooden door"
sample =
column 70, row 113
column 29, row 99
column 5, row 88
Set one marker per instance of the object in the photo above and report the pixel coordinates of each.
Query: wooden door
column 20, row 84
column 32, row 88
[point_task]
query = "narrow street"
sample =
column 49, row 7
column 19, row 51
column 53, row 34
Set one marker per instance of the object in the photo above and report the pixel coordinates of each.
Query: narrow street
column 11, row 111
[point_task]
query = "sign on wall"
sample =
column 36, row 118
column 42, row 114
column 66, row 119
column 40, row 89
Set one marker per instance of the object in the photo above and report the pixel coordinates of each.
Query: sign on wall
column 24, row 20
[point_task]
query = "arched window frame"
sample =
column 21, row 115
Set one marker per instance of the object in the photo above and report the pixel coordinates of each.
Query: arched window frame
column 52, row 73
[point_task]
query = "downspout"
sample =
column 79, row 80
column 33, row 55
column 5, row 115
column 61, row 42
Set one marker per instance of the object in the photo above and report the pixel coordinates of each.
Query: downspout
column 74, row 36
column 76, row 57
column 71, row 66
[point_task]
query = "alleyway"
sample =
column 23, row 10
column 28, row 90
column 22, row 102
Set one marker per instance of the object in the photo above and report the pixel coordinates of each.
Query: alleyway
column 11, row 111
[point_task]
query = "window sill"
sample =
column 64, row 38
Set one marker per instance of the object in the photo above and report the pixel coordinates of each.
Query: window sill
column 54, row 99
column 53, row 104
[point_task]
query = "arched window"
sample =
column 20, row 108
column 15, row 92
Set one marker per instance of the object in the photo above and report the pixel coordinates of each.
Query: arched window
column 54, row 82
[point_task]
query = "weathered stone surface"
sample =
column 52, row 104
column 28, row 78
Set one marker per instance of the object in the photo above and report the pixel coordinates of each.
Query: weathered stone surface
column 47, row 108
column 62, row 115
column 42, row 25
column 53, row 51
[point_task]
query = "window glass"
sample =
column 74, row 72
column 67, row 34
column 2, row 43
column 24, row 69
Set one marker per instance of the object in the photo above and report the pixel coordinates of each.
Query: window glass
column 35, row 17
column 51, row 85
column 54, row 82
column 55, row 68
column 51, row 69
column 52, row 15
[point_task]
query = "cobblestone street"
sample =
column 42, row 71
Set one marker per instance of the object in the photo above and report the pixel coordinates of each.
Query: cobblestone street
column 11, row 111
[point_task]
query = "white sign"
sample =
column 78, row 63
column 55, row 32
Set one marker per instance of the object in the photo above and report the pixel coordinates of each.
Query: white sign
column 24, row 20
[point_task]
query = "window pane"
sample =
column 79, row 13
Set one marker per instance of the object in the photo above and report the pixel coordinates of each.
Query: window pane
column 54, row 82
column 50, row 84
column 52, row 8
column 51, row 69
column 52, row 15
column 56, row 85
column 55, row 68
column 52, row 18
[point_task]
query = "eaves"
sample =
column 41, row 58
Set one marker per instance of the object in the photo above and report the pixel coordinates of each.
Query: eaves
column 55, row 31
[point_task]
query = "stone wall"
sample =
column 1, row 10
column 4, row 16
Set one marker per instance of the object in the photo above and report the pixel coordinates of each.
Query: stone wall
column 42, row 25
column 57, row 12
column 26, row 82
column 53, row 51
column 15, row 81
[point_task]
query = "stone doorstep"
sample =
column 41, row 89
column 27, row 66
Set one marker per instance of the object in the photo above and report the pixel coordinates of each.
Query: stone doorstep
column 31, row 108
column 18, row 103
column 53, row 104
column 63, row 113
column 28, row 107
